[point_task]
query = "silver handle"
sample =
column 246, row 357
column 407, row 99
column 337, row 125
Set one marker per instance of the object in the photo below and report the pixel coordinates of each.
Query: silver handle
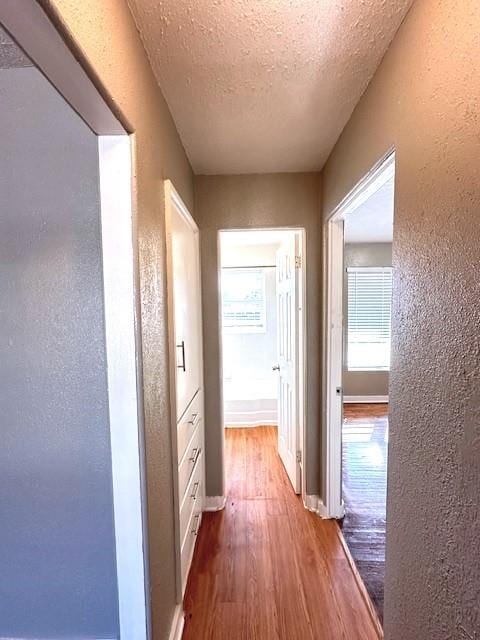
column 194, row 457
column 276, row 367
column 195, row 528
column 195, row 490
column 182, row 347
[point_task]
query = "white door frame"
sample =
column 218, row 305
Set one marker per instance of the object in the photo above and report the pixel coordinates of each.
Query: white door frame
column 301, row 337
column 333, row 332
column 175, row 204
column 30, row 26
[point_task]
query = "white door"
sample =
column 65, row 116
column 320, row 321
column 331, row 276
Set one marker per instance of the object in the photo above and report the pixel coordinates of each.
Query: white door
column 287, row 331
column 186, row 293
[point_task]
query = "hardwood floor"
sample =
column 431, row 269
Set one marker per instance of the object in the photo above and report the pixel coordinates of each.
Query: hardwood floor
column 265, row 568
column 364, row 471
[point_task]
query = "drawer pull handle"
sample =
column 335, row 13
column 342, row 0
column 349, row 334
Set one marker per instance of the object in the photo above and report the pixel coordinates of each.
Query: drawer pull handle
column 182, row 347
column 195, row 528
column 194, row 457
column 194, row 420
column 195, row 490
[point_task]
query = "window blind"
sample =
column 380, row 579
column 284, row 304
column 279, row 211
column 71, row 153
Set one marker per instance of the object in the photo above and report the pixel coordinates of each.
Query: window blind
column 369, row 318
column 243, row 300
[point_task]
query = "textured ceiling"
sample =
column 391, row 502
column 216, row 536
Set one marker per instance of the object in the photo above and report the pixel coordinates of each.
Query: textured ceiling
column 11, row 56
column 264, row 85
column 372, row 221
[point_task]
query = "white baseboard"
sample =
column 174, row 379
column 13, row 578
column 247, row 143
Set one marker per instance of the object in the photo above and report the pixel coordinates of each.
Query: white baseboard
column 178, row 621
column 316, row 505
column 365, row 399
column 245, row 425
column 310, row 503
column 245, row 418
column 214, row 503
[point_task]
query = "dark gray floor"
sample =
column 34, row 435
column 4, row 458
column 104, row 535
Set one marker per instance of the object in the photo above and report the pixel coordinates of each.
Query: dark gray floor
column 364, row 460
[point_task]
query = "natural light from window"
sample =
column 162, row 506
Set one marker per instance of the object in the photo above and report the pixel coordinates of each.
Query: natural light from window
column 369, row 318
column 243, row 300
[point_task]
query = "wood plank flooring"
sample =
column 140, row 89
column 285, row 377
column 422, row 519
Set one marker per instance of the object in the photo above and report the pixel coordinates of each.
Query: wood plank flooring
column 364, row 471
column 265, row 568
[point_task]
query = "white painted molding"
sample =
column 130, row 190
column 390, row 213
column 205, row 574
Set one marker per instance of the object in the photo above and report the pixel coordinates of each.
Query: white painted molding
column 39, row 38
column 322, row 510
column 214, row 503
column 374, row 180
column 231, row 424
column 336, row 514
column 178, row 622
column 310, row 502
column 316, row 505
column 248, row 412
column 125, row 423
column 333, row 362
column 365, row 399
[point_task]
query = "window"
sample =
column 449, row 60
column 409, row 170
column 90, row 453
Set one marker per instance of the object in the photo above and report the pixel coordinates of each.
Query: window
column 369, row 318
column 243, row 300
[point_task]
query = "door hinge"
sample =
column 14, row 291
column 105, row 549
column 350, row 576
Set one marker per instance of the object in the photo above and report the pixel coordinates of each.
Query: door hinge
column 298, row 262
column 299, row 457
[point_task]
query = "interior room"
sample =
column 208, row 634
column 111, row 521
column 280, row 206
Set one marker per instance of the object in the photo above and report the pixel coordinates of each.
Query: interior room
column 249, row 333
column 209, row 438
column 253, row 326
column 368, row 237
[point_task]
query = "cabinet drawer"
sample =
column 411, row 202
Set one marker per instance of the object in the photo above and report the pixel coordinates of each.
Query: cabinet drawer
column 192, row 499
column 190, row 459
column 191, row 533
column 188, row 423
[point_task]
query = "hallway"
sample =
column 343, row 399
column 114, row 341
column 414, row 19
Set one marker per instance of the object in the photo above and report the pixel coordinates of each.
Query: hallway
column 266, row 568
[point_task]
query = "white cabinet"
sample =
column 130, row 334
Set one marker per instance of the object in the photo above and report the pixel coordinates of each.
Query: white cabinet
column 186, row 375
column 186, row 297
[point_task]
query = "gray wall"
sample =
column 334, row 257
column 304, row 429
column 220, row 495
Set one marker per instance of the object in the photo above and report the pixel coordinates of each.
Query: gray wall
column 424, row 99
column 258, row 201
column 57, row 547
column 107, row 40
column 364, row 383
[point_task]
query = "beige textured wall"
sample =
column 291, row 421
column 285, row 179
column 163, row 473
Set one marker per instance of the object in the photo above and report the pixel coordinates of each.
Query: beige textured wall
column 257, row 201
column 105, row 33
column 425, row 99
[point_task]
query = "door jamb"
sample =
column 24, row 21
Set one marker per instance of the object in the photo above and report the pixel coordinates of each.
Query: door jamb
column 301, row 338
column 333, row 327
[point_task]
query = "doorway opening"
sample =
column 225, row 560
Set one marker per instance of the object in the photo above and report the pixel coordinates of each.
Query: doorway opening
column 359, row 275
column 262, row 313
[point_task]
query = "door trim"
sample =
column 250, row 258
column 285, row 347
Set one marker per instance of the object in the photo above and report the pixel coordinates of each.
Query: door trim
column 333, row 327
column 46, row 42
column 302, row 341
column 178, row 623
column 173, row 200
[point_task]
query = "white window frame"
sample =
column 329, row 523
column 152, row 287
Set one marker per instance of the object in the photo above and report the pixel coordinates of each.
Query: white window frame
column 261, row 327
column 364, row 368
